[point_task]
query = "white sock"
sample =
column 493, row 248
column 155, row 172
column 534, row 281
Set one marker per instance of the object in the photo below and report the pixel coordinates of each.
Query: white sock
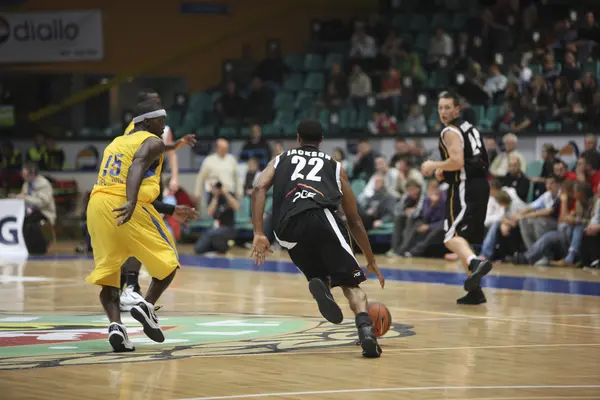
column 471, row 258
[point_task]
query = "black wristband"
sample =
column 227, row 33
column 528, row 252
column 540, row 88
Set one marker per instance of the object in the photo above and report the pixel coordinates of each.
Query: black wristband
column 163, row 208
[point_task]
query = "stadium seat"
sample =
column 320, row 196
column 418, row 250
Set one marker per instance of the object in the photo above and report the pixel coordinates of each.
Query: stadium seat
column 401, row 21
column 313, row 62
column 283, row 117
column 357, row 186
column 315, row 81
column 293, row 83
column 422, row 42
column 387, row 228
column 479, row 112
column 242, row 217
column 284, row 101
column 552, row 126
column 206, row 130
column 534, row 168
column 333, row 58
column 458, row 22
column 418, row 23
column 493, row 112
column 324, row 118
column 295, row 61
column 271, row 130
column 303, row 100
column 440, row 20
column 227, row 131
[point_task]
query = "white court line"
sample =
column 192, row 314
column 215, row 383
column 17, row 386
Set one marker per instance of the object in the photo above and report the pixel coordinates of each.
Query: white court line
column 397, row 389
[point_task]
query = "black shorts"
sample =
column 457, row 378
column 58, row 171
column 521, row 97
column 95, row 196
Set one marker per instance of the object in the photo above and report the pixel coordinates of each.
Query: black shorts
column 317, row 241
column 466, row 208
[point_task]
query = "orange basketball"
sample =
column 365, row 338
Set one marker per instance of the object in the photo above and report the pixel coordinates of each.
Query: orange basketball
column 381, row 317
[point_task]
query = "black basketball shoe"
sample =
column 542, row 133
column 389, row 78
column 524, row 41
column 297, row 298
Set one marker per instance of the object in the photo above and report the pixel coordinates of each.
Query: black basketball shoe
column 143, row 312
column 329, row 309
column 479, row 269
column 473, row 298
column 118, row 339
column 368, row 342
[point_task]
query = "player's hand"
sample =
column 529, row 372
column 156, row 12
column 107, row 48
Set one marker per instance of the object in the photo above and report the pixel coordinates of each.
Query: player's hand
column 124, row 213
column 427, row 168
column 189, row 140
column 185, row 214
column 373, row 268
column 260, row 248
column 439, row 175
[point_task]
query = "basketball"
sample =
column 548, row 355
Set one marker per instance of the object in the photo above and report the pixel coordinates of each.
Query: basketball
column 381, row 317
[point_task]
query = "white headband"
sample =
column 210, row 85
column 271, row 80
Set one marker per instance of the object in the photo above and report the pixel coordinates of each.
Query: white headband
column 150, row 115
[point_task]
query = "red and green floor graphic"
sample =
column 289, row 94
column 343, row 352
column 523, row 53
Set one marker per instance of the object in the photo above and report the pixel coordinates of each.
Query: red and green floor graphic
column 47, row 341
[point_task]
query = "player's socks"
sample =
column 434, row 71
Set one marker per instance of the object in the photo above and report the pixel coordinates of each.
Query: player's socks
column 366, row 337
column 118, row 338
column 133, row 279
column 473, row 298
column 329, row 309
column 143, row 312
column 479, row 269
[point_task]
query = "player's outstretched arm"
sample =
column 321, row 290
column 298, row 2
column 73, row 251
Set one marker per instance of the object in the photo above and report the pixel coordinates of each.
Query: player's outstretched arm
column 261, row 244
column 187, row 140
column 144, row 157
column 357, row 229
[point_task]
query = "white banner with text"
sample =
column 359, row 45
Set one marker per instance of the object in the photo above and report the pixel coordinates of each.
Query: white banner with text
column 51, row 36
column 12, row 215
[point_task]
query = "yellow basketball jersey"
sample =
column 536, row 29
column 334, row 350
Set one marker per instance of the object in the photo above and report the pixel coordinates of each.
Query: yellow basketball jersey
column 129, row 128
column 117, row 158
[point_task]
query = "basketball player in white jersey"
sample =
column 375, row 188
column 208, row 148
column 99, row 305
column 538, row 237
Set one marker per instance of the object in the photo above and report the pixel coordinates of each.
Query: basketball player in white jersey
column 131, row 295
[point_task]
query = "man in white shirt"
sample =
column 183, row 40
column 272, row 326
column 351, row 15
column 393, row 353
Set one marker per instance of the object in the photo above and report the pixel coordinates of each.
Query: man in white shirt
column 539, row 216
column 441, row 46
column 503, row 205
column 499, row 166
column 218, row 167
column 390, row 181
column 363, row 45
column 496, row 83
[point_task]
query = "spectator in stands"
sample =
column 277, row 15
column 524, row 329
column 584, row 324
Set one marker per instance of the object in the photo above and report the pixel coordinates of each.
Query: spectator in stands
column 251, row 174
column 379, row 207
column 390, row 176
column 364, row 164
column 360, row 85
column 515, row 178
column 406, row 173
column 592, row 113
column 500, row 165
column 428, row 228
column 41, row 208
column 561, row 172
column 409, row 207
column 245, row 67
column 573, row 223
column 540, row 216
column 272, row 70
column 218, row 167
column 505, row 205
column 408, row 63
column 339, row 155
column 259, row 104
column 560, row 102
column 570, row 70
column 362, row 45
column 391, row 46
column 55, row 156
column 496, row 83
column 11, row 162
column 441, row 46
column 391, row 91
column 415, row 120
column 230, row 106
column 541, row 100
column 549, row 69
column 590, row 246
column 549, row 153
column 402, row 150
column 462, row 53
column 256, row 147
column 590, row 86
column 377, row 28
column 336, row 90
column 383, row 123
column 590, row 149
column 222, row 207
column 37, row 153
column 509, row 121
column 586, row 173
column 492, row 148
column 512, row 95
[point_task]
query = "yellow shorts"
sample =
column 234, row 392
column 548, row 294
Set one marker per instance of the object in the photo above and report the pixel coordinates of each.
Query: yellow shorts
column 144, row 237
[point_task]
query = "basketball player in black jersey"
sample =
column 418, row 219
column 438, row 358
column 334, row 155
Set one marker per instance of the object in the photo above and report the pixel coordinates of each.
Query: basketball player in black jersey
column 308, row 186
column 464, row 167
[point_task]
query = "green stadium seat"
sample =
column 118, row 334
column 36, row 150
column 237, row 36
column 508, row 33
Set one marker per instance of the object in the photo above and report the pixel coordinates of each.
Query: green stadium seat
column 174, row 119
column 324, row 118
column 315, row 81
column 295, row 61
column 215, row 96
column 242, row 215
column 401, row 21
column 269, row 203
column 536, row 69
column 458, row 22
column 552, row 126
column 345, row 118
column 385, row 229
column 304, row 100
column 441, row 20
column 357, row 186
column 293, row 83
column 418, row 23
column 484, row 125
column 246, row 131
column 534, row 168
column 422, row 42
column 206, row 131
column 199, row 99
column 479, row 112
column 313, row 62
column 227, row 131
column 305, row 113
column 200, row 225
column 284, row 101
column 493, row 112
column 271, row 130
column 333, row 58
column 283, row 117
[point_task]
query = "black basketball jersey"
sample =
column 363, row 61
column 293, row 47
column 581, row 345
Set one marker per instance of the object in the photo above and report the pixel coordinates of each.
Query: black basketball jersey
column 305, row 178
column 476, row 157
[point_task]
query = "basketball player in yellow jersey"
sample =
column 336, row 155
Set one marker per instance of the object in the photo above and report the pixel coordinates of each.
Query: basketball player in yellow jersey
column 128, row 184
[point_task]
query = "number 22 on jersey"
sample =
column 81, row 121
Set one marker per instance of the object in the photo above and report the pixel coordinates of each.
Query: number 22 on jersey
column 300, row 163
column 113, row 165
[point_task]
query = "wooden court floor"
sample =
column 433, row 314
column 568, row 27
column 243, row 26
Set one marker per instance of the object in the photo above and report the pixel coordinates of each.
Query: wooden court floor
column 234, row 332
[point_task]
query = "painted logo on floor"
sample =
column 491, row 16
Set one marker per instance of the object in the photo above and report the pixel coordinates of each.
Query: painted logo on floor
column 51, row 341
